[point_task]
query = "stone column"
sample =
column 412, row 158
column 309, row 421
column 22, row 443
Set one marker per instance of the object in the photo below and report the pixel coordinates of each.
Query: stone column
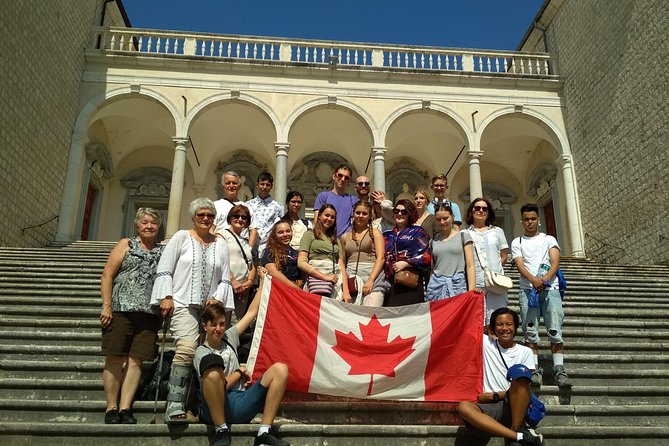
column 379, row 168
column 72, row 190
column 281, row 174
column 475, row 185
column 177, row 188
column 573, row 214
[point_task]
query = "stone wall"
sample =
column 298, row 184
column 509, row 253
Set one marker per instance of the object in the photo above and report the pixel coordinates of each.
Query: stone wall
column 42, row 44
column 612, row 58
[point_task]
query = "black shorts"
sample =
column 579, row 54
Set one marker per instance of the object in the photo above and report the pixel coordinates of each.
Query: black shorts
column 131, row 334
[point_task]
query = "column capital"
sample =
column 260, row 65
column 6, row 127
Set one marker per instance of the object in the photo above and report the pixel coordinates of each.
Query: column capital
column 475, row 153
column 565, row 159
column 180, row 143
column 380, row 151
column 282, row 148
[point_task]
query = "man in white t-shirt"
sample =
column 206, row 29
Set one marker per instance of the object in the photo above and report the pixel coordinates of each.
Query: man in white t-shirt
column 507, row 371
column 230, row 186
column 537, row 257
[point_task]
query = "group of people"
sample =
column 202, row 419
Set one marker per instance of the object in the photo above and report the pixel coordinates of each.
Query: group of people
column 360, row 248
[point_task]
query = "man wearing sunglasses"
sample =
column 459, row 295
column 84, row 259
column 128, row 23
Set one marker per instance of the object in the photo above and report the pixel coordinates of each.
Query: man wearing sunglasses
column 343, row 202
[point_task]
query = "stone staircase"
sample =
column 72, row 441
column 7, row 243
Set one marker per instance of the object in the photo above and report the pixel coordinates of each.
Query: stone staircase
column 616, row 335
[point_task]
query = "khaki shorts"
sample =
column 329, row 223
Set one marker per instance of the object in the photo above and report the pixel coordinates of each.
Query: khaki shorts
column 186, row 323
column 131, row 334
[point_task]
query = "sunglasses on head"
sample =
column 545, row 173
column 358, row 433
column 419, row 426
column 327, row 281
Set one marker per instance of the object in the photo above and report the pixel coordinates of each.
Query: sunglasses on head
column 400, row 211
column 481, row 208
column 203, row 215
column 343, row 176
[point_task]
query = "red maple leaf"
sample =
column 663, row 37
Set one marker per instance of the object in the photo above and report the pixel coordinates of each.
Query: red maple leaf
column 373, row 354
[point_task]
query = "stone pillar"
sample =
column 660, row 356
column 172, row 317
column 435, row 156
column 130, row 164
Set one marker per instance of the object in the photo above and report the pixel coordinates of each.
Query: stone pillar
column 72, row 190
column 177, row 188
column 571, row 201
column 379, row 168
column 281, row 174
column 475, row 185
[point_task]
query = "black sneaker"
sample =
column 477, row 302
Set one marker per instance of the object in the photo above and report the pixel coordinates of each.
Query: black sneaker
column 126, row 417
column 222, row 438
column 111, row 417
column 268, row 439
column 530, row 437
column 561, row 377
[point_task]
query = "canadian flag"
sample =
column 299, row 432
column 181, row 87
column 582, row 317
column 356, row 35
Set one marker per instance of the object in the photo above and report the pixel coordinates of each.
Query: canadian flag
column 429, row 351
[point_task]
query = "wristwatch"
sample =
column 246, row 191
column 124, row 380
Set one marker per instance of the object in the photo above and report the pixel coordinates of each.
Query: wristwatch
column 495, row 397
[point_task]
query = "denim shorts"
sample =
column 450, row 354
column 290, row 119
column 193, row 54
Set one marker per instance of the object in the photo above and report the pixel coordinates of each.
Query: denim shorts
column 550, row 307
column 240, row 405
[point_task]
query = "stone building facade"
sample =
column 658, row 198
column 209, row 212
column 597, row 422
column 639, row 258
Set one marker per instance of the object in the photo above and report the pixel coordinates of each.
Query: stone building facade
column 42, row 46
column 613, row 61
column 100, row 122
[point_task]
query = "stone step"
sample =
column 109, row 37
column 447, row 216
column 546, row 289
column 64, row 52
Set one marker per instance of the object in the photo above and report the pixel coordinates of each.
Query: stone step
column 85, row 434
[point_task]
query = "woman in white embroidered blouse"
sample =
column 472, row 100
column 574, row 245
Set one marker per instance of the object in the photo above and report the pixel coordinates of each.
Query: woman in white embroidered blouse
column 490, row 249
column 193, row 272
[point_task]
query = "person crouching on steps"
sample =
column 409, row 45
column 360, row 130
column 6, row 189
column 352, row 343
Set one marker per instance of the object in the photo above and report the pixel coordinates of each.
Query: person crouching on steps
column 227, row 394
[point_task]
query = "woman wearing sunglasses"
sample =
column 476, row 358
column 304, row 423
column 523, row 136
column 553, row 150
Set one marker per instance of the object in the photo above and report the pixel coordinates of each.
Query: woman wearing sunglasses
column 193, row 272
column 407, row 256
column 242, row 269
column 490, row 249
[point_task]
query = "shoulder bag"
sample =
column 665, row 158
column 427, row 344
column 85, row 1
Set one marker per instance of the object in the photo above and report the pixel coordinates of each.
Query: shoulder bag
column 494, row 282
column 408, row 277
column 353, row 280
column 320, row 286
column 536, row 410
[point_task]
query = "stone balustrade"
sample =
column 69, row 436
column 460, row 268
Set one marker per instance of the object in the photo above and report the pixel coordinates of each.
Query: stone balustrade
column 318, row 52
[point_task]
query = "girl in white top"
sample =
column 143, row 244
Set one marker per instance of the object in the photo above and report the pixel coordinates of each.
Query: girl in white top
column 490, row 249
column 299, row 225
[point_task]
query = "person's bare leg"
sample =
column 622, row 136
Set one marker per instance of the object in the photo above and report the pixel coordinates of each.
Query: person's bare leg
column 213, row 388
column 133, row 373
column 112, row 376
column 471, row 413
column 274, row 380
column 519, row 398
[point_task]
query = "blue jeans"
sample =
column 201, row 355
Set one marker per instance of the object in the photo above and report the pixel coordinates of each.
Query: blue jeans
column 550, row 306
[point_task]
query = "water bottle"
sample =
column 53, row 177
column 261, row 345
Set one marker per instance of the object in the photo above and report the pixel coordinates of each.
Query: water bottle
column 533, row 300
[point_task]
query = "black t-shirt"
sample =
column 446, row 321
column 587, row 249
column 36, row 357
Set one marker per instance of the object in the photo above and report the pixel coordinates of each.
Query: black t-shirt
column 289, row 268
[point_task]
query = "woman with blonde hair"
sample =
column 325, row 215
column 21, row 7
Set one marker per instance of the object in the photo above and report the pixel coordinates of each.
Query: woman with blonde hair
column 129, row 325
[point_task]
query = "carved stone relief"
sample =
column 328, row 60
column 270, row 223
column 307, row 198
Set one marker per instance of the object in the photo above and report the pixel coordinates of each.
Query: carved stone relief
column 403, row 178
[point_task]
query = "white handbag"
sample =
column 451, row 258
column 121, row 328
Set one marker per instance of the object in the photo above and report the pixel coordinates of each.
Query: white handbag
column 494, row 282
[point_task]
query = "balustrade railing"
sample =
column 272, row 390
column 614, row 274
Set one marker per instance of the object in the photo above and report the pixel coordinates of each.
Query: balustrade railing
column 315, row 52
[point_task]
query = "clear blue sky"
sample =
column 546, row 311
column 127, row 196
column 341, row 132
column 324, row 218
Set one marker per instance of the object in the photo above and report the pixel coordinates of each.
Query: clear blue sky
column 485, row 24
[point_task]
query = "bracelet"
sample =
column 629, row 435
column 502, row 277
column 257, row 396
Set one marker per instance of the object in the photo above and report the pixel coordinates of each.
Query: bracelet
column 241, row 374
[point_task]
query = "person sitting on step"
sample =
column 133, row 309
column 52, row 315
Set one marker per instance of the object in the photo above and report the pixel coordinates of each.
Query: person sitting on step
column 227, row 394
column 500, row 410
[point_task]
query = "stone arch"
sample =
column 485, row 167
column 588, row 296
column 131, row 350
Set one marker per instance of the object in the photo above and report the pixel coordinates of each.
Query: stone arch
column 231, row 97
column 342, row 104
column 89, row 110
column 418, row 106
column 558, row 138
